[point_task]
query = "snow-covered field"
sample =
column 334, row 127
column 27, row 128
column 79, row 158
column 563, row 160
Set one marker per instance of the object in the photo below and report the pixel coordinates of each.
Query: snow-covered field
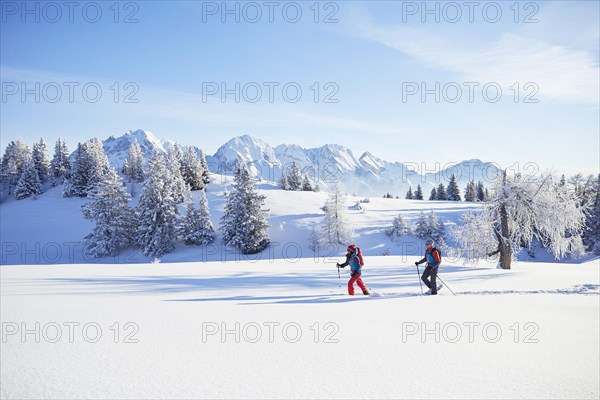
column 208, row 323
column 285, row 330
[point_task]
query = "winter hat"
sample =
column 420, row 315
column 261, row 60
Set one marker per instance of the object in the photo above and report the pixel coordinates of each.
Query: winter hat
column 352, row 248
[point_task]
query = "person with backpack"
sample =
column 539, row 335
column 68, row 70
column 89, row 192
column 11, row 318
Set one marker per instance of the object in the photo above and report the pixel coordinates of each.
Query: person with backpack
column 354, row 258
column 433, row 257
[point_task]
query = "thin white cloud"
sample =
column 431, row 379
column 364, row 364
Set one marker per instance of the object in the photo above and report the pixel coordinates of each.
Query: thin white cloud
column 563, row 74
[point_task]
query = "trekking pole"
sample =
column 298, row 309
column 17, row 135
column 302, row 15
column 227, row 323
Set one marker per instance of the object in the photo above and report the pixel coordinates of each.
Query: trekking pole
column 444, row 283
column 419, row 276
column 339, row 277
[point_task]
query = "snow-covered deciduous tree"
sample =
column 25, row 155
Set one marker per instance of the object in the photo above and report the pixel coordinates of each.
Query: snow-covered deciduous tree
column 157, row 210
column 133, row 166
column 418, row 195
column 89, row 167
column 476, row 236
column 115, row 221
column 29, row 184
column 453, row 190
column 196, row 228
column 60, row 165
column 522, row 210
column 314, row 241
column 41, row 162
column 244, row 223
column 336, row 228
column 398, row 229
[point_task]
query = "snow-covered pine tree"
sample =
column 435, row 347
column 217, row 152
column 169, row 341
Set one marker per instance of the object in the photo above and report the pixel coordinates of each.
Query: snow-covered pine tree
column 433, row 195
column 39, row 154
column 133, row 165
column 306, row 186
column 76, row 182
column 453, row 190
column 196, row 228
column 523, row 210
column 437, row 228
column 205, row 171
column 480, row 191
column 244, row 223
column 398, row 228
column 173, row 178
column 60, row 165
column 418, row 195
column 409, row 194
column 284, row 183
column 471, row 192
column 88, row 169
column 336, row 228
column 422, row 229
column 441, row 192
column 206, row 234
column 191, row 169
column 157, row 210
column 29, row 184
column 295, row 178
column 15, row 156
column 115, row 221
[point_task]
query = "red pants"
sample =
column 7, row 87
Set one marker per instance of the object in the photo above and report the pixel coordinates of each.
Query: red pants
column 358, row 281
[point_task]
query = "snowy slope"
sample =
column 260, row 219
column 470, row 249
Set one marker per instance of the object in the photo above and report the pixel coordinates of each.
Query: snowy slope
column 54, row 237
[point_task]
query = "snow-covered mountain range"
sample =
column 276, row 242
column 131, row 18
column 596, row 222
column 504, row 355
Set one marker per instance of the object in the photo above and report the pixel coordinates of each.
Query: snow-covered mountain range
column 367, row 175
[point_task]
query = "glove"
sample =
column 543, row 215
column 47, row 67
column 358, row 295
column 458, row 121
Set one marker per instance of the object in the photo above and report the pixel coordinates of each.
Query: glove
column 337, row 264
column 416, row 263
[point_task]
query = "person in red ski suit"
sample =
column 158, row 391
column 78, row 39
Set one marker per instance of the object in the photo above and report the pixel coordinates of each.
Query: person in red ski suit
column 354, row 259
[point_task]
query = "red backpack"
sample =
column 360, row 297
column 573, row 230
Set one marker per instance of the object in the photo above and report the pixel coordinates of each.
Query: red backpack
column 358, row 253
column 360, row 257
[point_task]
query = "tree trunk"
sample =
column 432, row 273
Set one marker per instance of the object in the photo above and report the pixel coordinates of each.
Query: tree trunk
column 503, row 242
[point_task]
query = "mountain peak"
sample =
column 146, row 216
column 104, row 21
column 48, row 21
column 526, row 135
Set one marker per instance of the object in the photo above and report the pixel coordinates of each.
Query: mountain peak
column 117, row 148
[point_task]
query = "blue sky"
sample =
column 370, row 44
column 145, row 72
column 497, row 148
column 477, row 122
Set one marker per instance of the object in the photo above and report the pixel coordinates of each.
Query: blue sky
column 367, row 57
